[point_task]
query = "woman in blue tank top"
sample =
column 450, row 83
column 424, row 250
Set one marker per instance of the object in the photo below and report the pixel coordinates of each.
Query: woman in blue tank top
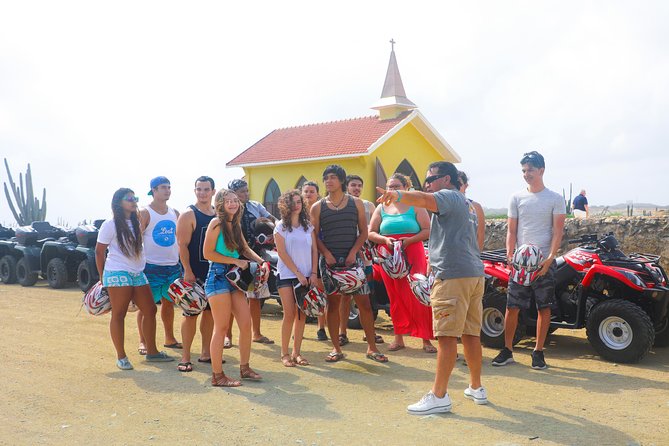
column 401, row 222
column 223, row 244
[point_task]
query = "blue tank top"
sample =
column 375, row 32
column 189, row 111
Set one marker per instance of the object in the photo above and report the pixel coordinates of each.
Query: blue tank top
column 222, row 249
column 404, row 223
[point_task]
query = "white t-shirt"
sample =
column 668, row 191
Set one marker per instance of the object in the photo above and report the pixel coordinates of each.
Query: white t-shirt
column 116, row 260
column 298, row 247
column 535, row 212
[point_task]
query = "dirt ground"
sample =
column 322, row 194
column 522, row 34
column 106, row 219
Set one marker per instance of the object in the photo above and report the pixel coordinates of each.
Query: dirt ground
column 60, row 385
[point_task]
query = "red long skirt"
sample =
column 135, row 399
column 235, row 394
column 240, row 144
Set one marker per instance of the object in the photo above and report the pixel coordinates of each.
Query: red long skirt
column 409, row 316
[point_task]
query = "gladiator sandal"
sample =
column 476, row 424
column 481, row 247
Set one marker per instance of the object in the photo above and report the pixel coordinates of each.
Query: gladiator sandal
column 246, row 372
column 220, row 380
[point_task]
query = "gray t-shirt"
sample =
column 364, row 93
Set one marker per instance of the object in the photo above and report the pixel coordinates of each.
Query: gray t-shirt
column 454, row 251
column 535, row 212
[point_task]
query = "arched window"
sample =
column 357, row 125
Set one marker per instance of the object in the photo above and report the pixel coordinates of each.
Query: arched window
column 271, row 198
column 406, row 168
column 300, row 182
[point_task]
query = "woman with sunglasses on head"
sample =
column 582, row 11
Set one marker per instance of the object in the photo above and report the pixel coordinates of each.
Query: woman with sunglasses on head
column 311, row 194
column 298, row 255
column 122, row 273
column 411, row 225
column 223, row 245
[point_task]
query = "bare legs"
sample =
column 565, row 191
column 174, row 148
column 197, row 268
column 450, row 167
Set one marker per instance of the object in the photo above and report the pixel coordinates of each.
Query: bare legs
column 293, row 320
column 120, row 298
column 167, row 316
column 188, row 328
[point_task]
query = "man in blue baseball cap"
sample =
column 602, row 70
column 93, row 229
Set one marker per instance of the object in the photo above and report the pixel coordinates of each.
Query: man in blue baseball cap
column 157, row 181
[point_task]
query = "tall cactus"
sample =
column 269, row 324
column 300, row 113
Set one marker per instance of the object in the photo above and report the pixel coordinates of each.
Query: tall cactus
column 27, row 208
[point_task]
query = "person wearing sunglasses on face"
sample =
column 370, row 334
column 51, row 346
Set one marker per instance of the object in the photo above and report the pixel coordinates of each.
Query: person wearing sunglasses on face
column 119, row 256
column 458, row 288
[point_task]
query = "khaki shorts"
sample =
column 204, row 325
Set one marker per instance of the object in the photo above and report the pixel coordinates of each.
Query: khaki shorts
column 457, row 305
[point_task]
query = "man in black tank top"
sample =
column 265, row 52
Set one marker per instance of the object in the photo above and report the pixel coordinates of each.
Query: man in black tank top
column 340, row 220
column 191, row 227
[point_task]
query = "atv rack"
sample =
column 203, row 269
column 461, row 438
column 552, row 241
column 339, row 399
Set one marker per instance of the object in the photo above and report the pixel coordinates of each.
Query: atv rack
column 496, row 255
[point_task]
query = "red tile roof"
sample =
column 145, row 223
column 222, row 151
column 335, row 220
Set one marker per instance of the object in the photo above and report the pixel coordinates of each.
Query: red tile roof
column 347, row 137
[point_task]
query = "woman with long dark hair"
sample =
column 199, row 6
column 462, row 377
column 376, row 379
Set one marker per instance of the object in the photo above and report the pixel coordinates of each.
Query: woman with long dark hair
column 412, row 226
column 122, row 273
column 223, row 245
column 298, row 256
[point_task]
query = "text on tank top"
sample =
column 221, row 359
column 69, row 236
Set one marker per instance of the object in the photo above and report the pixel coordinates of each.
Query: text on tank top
column 198, row 264
column 339, row 228
column 160, row 238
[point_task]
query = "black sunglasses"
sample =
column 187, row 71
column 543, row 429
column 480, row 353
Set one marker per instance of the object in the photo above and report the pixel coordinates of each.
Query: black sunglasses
column 433, row 178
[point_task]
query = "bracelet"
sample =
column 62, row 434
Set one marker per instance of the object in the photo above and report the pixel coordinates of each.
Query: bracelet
column 313, row 273
column 399, row 196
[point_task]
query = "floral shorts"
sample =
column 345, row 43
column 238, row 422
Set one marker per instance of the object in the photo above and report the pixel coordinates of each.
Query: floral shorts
column 123, row 278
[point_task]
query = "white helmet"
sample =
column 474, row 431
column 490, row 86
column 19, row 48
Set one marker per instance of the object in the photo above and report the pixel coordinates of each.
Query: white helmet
column 310, row 301
column 242, row 278
column 526, row 264
column 190, row 297
column 421, row 287
column 96, row 300
column 348, row 280
column 132, row 307
column 396, row 265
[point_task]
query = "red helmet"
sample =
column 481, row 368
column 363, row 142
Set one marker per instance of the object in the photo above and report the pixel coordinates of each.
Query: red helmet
column 349, row 279
column 96, row 300
column 313, row 302
column 526, row 264
column 421, row 287
column 189, row 296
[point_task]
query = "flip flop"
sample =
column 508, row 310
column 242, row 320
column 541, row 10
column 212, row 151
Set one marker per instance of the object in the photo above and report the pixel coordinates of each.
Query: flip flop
column 159, row 357
column 185, row 367
column 395, row 347
column 377, row 339
column 429, row 349
column 208, row 360
column 377, row 357
column 141, row 351
column 334, row 357
column 264, row 340
column 175, row 345
column 343, row 340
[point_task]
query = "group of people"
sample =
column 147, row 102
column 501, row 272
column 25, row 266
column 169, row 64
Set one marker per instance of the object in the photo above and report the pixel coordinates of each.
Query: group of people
column 147, row 249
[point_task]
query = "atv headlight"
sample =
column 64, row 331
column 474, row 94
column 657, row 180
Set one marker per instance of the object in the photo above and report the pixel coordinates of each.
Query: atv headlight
column 632, row 278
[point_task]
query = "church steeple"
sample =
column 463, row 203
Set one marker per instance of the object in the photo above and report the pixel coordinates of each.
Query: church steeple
column 393, row 100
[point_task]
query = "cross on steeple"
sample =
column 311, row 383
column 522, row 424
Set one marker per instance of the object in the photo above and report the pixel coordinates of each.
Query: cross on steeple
column 392, row 44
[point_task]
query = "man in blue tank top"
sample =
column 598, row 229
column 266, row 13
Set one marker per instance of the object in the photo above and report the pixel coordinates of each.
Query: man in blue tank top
column 191, row 228
column 159, row 224
column 340, row 220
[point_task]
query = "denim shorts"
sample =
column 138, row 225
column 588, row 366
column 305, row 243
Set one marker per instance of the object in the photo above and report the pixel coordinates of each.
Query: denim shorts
column 285, row 283
column 216, row 282
column 123, row 278
column 160, row 278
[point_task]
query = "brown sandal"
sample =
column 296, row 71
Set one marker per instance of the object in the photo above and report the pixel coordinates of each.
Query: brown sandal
column 246, row 372
column 220, row 380
column 287, row 361
column 300, row 360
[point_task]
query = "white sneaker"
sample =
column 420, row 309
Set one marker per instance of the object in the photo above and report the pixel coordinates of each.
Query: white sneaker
column 429, row 404
column 479, row 396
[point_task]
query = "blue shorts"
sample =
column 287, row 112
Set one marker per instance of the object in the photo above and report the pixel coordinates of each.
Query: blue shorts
column 123, row 278
column 216, row 282
column 160, row 278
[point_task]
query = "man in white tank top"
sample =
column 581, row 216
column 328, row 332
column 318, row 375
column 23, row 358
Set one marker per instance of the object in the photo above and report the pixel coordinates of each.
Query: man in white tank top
column 159, row 226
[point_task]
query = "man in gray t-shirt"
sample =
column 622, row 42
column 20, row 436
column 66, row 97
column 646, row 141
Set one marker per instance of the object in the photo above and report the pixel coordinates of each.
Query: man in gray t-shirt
column 536, row 217
column 456, row 295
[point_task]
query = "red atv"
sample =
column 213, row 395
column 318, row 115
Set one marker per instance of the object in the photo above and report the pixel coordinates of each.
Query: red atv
column 621, row 300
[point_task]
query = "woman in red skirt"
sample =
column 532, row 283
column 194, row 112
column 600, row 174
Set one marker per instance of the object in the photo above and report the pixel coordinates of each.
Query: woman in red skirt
column 411, row 225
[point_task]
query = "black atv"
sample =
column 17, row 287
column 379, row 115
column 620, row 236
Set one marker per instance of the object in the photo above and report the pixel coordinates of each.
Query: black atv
column 28, row 249
column 8, row 257
column 87, row 272
column 59, row 260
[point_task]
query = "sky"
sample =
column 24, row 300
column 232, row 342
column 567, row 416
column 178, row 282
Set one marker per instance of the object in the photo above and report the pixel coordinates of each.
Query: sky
column 101, row 95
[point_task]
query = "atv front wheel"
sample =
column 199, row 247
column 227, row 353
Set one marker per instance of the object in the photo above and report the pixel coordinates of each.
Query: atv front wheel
column 620, row 331
column 662, row 335
column 492, row 321
column 8, row 269
column 23, row 273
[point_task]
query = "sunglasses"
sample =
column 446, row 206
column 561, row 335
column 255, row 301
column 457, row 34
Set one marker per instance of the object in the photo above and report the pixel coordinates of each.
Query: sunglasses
column 131, row 199
column 433, row 178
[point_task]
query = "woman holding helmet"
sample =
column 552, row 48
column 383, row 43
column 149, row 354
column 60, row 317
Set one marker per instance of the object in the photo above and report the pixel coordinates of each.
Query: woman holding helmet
column 410, row 226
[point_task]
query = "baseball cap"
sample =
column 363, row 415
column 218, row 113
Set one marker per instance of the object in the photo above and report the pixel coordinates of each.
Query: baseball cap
column 157, row 181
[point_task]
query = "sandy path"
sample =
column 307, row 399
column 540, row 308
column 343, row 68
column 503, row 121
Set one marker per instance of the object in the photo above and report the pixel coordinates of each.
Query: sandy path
column 60, row 386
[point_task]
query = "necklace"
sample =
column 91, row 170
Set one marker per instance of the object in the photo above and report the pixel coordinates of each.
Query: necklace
column 336, row 206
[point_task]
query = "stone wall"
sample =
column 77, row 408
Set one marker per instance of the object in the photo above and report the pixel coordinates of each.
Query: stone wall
column 635, row 234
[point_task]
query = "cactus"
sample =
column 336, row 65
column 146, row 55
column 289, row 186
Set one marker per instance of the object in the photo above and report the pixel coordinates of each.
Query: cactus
column 567, row 203
column 27, row 208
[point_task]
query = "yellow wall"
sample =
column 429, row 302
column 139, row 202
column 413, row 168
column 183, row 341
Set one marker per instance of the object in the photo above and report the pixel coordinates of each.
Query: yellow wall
column 408, row 144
